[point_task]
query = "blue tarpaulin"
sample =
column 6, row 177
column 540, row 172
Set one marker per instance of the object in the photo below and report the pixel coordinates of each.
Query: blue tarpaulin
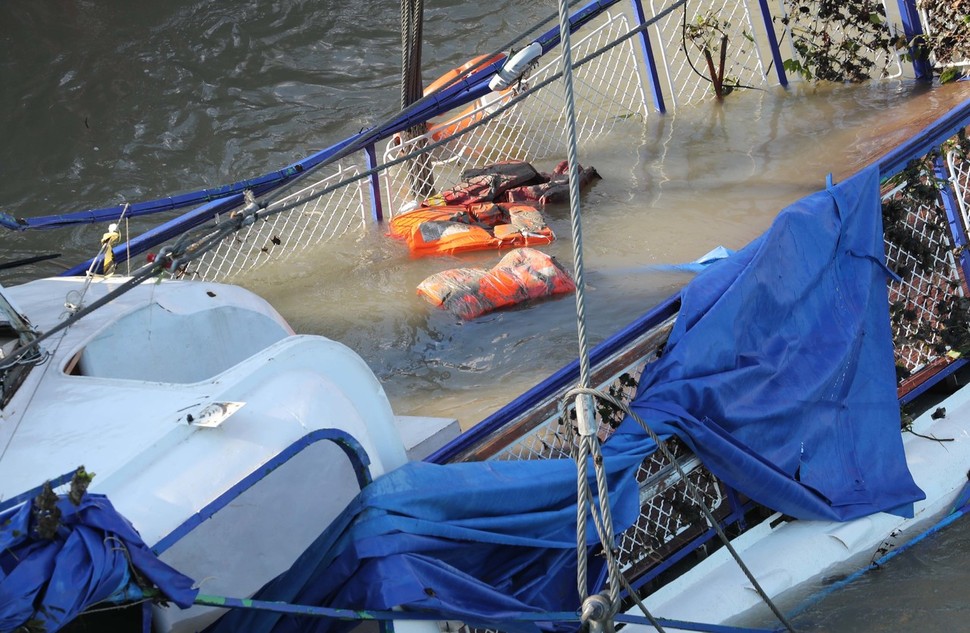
column 89, row 560
column 779, row 373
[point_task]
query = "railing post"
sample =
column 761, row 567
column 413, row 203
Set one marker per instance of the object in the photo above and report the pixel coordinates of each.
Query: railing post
column 913, row 30
column 648, row 59
column 773, row 43
column 954, row 217
column 374, row 184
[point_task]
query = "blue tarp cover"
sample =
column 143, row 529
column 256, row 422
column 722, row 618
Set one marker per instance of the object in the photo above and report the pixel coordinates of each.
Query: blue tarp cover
column 779, row 373
column 88, row 561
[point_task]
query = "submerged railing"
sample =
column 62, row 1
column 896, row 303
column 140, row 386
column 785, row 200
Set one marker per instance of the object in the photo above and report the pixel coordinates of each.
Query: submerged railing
column 761, row 46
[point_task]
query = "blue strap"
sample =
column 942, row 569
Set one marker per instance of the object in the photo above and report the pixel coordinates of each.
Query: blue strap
column 23, row 497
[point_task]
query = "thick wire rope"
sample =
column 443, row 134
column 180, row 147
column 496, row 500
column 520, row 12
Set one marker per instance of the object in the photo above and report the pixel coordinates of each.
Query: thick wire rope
column 588, row 439
column 623, row 581
column 412, row 90
column 693, row 494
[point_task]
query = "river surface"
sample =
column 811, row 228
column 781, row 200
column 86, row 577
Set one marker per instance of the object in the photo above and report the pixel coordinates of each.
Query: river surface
column 110, row 101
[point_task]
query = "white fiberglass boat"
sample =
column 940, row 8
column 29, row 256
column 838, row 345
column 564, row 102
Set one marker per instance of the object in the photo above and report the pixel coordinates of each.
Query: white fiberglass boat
column 750, row 425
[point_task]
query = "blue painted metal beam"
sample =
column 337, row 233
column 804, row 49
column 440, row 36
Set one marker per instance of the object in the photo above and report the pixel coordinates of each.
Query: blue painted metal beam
column 913, row 30
column 646, row 49
column 458, row 94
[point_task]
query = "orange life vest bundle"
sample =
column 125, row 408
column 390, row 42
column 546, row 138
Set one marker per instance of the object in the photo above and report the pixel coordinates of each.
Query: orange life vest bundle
column 491, row 208
column 446, row 230
column 521, row 275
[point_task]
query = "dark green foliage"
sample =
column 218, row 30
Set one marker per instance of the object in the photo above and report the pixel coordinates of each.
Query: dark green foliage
column 947, row 42
column 836, row 40
column 47, row 516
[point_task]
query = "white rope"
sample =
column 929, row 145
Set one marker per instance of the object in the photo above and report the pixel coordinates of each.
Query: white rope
column 693, row 494
column 588, row 440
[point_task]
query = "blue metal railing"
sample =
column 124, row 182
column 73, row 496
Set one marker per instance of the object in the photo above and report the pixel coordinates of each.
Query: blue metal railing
column 459, row 93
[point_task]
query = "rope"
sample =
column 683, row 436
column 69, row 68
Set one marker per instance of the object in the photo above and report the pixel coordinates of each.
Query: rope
column 106, row 256
column 630, row 591
column 694, row 495
column 882, row 560
column 594, row 611
column 412, row 20
column 356, row 615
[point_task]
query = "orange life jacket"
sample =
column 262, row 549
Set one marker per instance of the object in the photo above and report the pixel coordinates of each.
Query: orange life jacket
column 447, row 230
column 523, row 274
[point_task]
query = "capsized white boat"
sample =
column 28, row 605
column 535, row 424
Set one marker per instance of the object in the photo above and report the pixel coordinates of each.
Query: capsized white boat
column 209, row 424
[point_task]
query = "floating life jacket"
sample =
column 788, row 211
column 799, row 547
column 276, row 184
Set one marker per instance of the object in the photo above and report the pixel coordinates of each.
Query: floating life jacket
column 522, row 275
column 554, row 188
column 512, row 181
column 455, row 229
column 487, row 184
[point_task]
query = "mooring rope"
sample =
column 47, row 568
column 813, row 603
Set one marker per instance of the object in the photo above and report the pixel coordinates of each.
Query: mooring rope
column 412, row 91
column 596, row 613
column 102, row 257
column 693, row 494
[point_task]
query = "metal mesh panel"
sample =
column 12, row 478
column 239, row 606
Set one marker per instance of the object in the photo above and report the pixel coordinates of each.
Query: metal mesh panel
column 314, row 219
column 607, row 89
column 919, row 249
column 959, row 168
column 551, row 438
column 946, row 28
column 688, row 78
column 668, row 517
column 886, row 63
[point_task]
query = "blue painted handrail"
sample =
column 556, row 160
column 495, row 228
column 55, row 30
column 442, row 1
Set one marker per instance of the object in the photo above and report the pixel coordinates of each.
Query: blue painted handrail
column 457, row 94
